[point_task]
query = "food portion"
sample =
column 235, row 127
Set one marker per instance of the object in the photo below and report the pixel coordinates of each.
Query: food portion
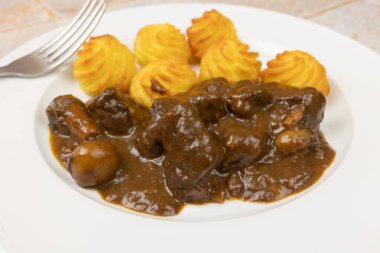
column 231, row 60
column 163, row 54
column 111, row 111
column 209, row 29
column 161, row 79
column 104, row 62
column 69, row 116
column 93, row 163
column 175, row 133
column 158, row 138
column 161, row 42
column 217, row 141
column 296, row 68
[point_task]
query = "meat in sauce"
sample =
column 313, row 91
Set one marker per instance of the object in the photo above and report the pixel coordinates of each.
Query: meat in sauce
column 218, row 141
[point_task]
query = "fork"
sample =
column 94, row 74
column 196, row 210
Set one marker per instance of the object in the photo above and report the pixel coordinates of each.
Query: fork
column 58, row 50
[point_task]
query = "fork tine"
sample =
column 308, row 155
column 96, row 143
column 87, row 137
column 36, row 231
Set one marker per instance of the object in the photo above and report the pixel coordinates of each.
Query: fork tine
column 78, row 34
column 76, row 26
column 73, row 47
column 65, row 31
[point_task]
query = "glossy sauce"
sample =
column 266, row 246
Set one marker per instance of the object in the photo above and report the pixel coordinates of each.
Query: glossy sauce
column 264, row 175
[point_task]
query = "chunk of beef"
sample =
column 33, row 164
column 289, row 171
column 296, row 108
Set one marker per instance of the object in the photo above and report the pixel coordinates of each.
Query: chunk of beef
column 208, row 98
column 242, row 141
column 247, row 98
column 304, row 106
column 68, row 116
column 111, row 112
column 308, row 100
column 191, row 152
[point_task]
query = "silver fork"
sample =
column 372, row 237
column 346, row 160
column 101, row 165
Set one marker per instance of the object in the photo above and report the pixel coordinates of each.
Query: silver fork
column 57, row 51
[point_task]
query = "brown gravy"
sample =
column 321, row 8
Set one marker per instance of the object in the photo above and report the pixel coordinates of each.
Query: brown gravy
column 255, row 162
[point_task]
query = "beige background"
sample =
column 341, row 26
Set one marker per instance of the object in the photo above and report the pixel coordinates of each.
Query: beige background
column 22, row 20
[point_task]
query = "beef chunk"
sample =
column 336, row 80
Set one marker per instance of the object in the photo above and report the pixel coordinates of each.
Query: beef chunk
column 304, row 106
column 242, row 142
column 68, row 116
column 191, row 152
column 208, row 98
column 247, row 98
column 111, row 112
column 309, row 100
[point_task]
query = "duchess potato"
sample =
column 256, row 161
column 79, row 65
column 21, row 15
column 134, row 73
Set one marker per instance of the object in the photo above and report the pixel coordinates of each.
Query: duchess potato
column 232, row 60
column 104, row 62
column 160, row 79
column 296, row 68
column 212, row 27
column 161, row 41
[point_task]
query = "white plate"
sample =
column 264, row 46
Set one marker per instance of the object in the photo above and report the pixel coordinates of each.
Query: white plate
column 42, row 211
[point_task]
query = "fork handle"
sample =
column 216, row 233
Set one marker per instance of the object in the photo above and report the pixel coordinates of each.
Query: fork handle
column 5, row 72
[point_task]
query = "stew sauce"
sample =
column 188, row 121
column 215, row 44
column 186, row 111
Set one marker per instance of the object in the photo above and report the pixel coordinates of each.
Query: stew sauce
column 216, row 142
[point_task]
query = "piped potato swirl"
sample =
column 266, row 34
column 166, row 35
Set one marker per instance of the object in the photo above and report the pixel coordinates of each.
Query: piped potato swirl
column 298, row 69
column 104, row 62
column 161, row 41
column 161, row 79
column 205, row 31
column 232, row 60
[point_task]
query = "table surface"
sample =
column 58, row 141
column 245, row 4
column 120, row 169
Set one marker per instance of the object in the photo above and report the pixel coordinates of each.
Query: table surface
column 22, row 20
